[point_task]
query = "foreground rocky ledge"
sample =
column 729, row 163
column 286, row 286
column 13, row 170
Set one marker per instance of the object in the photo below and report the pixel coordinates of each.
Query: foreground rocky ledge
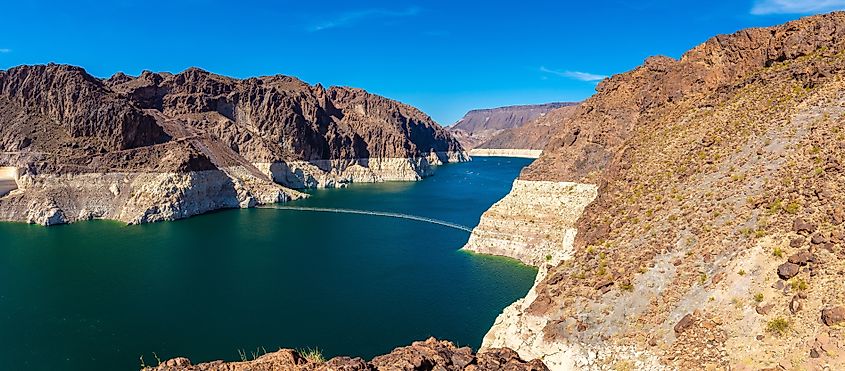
column 431, row 354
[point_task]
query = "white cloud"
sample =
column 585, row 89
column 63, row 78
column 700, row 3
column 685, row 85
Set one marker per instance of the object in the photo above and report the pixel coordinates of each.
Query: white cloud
column 763, row 7
column 5, row 50
column 575, row 75
column 351, row 18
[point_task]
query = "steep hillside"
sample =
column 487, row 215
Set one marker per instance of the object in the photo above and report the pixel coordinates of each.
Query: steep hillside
column 715, row 236
column 164, row 146
column 477, row 126
column 533, row 135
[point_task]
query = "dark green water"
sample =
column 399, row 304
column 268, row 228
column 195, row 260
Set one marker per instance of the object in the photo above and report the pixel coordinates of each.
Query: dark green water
column 98, row 295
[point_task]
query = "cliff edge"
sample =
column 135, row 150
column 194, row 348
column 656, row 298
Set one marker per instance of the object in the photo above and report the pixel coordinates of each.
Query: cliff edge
column 715, row 239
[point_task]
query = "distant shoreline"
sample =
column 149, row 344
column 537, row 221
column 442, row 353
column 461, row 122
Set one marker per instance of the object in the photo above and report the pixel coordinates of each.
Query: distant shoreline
column 505, row 152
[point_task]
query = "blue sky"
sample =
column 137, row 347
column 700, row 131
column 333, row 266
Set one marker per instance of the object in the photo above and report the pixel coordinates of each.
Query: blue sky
column 445, row 57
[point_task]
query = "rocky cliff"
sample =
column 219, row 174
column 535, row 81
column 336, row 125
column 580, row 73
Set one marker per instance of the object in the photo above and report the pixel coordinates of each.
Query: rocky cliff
column 478, row 126
column 715, row 239
column 298, row 134
column 164, row 146
column 431, row 354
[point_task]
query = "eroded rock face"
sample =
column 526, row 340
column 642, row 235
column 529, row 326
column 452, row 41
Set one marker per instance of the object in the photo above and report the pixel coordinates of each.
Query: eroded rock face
column 711, row 171
column 280, row 119
column 78, row 110
column 431, row 354
column 164, row 146
column 534, row 223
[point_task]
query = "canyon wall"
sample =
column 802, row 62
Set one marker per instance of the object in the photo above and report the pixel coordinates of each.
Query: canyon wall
column 479, row 126
column 164, row 146
column 716, row 237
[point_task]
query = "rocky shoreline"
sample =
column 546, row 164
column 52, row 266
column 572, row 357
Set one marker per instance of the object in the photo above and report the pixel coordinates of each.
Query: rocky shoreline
column 144, row 197
column 534, row 223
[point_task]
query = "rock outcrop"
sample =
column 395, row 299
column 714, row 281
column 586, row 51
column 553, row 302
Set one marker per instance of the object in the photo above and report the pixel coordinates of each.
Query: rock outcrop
column 534, row 223
column 164, row 146
column 431, row 354
column 478, row 126
column 711, row 170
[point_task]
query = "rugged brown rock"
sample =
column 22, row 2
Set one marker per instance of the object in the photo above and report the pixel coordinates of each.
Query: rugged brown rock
column 707, row 165
column 479, row 126
column 431, row 354
column 834, row 315
column 165, row 146
column 280, row 118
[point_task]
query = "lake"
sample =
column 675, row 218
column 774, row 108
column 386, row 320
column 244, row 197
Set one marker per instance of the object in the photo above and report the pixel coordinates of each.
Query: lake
column 99, row 295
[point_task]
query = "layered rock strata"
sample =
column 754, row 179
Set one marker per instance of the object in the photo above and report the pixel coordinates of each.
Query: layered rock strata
column 534, row 223
column 298, row 134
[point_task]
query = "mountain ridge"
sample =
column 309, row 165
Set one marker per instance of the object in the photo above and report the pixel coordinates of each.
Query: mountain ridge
column 244, row 141
column 478, row 126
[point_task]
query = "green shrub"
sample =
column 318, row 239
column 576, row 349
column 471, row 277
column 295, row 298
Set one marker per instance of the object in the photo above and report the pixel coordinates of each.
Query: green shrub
column 314, row 355
column 793, row 207
column 798, row 284
column 778, row 326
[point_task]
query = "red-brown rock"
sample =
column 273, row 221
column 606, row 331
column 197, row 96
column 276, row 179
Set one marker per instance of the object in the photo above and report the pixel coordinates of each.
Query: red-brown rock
column 787, row 270
column 834, row 315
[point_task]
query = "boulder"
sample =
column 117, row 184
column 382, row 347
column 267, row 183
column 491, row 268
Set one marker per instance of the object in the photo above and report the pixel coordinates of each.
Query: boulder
column 837, row 216
column 818, row 239
column 797, row 242
column 834, row 315
column 802, row 226
column 795, row 305
column 684, row 324
column 801, row 258
column 787, row 270
column 764, row 308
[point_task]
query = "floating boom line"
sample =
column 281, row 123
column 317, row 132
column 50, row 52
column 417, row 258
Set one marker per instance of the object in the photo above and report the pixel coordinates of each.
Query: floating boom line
column 376, row 213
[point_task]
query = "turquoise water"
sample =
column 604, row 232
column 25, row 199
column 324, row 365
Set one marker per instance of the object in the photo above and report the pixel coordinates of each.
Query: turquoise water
column 99, row 295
